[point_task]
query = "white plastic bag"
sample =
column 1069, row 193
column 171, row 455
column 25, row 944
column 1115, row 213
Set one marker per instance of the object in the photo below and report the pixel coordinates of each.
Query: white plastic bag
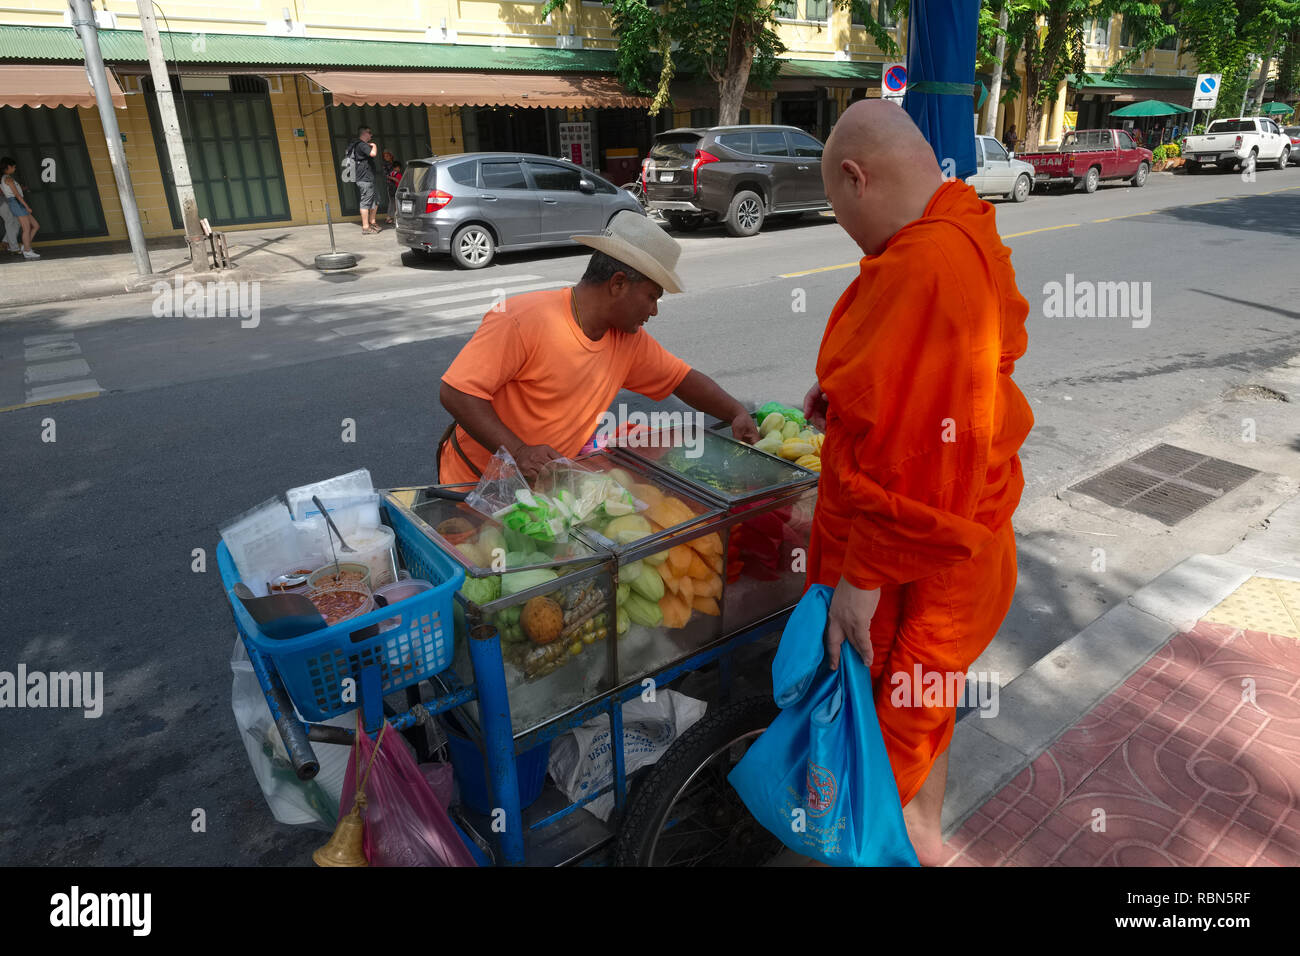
column 353, row 484
column 581, row 762
column 313, row 802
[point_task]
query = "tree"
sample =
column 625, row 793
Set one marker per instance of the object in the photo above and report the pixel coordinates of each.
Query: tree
column 1051, row 36
column 1227, row 36
column 731, row 41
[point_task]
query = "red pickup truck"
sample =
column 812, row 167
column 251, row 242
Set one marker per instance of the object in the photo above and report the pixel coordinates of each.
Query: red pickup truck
column 1088, row 156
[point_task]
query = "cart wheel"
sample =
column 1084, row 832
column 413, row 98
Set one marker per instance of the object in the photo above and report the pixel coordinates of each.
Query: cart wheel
column 684, row 813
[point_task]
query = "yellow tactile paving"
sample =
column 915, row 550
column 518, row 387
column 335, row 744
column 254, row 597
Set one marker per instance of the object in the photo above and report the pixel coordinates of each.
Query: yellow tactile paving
column 1262, row 604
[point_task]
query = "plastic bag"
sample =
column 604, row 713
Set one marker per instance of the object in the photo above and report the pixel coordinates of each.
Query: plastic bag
column 353, row 484
column 292, row 801
column 564, row 495
column 405, row 825
column 581, row 762
column 262, row 543
column 819, row 778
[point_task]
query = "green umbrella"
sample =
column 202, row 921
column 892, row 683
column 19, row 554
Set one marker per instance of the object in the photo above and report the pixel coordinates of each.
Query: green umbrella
column 1150, row 108
column 1275, row 109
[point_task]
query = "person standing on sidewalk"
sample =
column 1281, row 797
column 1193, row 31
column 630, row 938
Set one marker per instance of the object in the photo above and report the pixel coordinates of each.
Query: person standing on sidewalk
column 392, row 177
column 13, row 198
column 920, row 474
column 362, row 151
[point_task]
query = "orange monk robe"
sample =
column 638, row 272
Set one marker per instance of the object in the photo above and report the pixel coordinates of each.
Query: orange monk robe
column 919, row 468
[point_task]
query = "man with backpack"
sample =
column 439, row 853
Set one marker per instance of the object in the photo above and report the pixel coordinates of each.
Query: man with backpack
column 357, row 169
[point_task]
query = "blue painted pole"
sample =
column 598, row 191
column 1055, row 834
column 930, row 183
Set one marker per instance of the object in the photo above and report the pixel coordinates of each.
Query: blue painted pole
column 499, row 741
column 372, row 699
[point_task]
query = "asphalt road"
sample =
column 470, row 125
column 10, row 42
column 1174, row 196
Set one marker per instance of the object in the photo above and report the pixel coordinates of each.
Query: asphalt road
column 201, row 419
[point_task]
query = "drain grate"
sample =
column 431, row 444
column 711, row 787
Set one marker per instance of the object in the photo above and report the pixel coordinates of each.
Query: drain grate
column 1165, row 482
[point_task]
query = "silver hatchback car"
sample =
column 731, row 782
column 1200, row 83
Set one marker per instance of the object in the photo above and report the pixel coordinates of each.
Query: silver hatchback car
column 473, row 204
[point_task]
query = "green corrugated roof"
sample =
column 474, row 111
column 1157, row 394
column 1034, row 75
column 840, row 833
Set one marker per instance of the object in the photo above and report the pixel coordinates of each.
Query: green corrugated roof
column 60, row 44
column 829, row 70
column 28, row 44
column 1135, row 81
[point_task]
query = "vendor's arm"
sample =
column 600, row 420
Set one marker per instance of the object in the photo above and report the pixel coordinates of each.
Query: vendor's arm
column 704, row 394
column 477, row 417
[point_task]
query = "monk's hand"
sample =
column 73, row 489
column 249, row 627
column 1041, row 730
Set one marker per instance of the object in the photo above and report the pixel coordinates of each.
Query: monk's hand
column 532, row 459
column 850, row 620
column 814, row 407
column 743, row 427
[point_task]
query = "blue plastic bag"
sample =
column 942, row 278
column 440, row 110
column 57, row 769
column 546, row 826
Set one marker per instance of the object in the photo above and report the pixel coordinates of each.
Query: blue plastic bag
column 818, row 778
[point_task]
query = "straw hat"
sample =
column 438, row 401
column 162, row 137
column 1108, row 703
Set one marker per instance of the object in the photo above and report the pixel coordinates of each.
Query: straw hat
column 632, row 239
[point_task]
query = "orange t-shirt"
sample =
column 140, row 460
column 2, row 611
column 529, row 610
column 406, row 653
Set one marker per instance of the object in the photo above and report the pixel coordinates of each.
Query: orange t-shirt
column 548, row 382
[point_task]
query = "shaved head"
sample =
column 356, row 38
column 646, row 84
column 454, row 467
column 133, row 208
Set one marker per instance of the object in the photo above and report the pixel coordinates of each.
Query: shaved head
column 879, row 172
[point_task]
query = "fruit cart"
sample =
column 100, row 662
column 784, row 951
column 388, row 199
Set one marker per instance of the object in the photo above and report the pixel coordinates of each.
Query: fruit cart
column 523, row 639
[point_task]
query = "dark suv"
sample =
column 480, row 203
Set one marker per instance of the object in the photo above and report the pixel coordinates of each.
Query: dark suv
column 737, row 174
column 472, row 204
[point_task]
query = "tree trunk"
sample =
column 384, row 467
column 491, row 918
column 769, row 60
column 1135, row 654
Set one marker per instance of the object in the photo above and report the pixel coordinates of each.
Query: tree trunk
column 734, row 81
column 1264, row 67
column 995, row 86
column 1033, row 119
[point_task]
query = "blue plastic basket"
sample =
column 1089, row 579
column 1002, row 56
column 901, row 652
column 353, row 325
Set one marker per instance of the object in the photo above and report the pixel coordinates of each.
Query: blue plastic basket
column 314, row 666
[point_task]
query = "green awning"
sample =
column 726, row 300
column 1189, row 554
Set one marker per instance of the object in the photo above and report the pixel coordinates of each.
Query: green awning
column 1275, row 109
column 60, row 44
column 1150, row 108
column 829, row 70
column 1133, row 81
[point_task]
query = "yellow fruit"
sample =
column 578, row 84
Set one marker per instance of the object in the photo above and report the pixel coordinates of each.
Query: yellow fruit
column 789, row 430
column 809, row 461
column 795, row 449
column 775, row 421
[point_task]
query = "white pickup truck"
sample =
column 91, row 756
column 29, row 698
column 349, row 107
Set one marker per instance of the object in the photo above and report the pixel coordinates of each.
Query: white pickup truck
column 1247, row 140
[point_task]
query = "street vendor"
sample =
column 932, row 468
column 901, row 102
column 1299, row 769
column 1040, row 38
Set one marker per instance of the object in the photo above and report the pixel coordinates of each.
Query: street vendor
column 542, row 369
column 920, row 474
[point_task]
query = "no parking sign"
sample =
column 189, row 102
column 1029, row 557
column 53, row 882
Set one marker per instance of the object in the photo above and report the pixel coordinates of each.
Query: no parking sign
column 893, row 81
column 1207, row 91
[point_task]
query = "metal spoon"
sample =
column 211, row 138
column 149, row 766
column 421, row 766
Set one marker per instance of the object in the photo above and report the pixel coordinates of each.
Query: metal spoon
column 347, row 549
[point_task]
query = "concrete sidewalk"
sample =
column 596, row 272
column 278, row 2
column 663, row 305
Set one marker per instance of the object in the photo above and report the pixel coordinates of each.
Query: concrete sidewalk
column 1165, row 733
column 85, row 272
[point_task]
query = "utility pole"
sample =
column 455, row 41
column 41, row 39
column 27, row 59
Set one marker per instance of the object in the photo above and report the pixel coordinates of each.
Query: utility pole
column 172, row 134
column 83, row 22
column 995, row 88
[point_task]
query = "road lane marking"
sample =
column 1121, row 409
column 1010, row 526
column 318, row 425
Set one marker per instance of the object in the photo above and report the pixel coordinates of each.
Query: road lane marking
column 1068, row 225
column 52, row 401
column 435, row 289
column 50, row 350
column 63, row 390
column 46, row 339
column 808, row 272
column 55, row 371
column 1149, row 212
column 418, row 335
column 485, row 295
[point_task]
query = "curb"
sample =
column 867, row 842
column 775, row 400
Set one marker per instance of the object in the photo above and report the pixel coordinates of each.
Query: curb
column 137, row 283
column 1051, row 696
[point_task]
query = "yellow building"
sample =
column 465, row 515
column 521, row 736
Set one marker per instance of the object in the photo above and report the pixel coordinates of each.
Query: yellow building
column 270, row 95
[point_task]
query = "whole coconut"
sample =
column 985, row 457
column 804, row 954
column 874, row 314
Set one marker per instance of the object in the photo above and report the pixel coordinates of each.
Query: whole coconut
column 542, row 620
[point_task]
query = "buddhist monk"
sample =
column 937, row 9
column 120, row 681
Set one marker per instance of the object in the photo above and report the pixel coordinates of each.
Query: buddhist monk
column 920, row 475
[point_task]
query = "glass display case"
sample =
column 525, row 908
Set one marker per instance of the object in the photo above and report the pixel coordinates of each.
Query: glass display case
column 712, row 544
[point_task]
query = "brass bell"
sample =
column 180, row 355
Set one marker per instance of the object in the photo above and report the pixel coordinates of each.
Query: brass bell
column 345, row 847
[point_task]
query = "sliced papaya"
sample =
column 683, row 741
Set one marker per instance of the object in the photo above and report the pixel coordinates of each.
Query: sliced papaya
column 706, row 605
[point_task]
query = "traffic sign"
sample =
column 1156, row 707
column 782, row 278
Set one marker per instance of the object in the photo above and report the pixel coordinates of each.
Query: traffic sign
column 893, row 81
column 1207, row 91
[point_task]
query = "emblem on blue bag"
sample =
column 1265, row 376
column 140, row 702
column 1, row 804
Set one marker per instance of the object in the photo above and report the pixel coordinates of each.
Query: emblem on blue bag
column 821, row 789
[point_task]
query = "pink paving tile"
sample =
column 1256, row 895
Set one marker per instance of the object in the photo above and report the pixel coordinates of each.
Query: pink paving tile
column 1028, row 855
column 1186, row 852
column 1018, row 823
column 1047, row 843
column 1031, row 806
column 983, row 854
column 1270, row 807
column 1074, row 856
column 1234, row 853
column 999, row 838
column 1281, row 856
column 960, row 840
column 1141, row 854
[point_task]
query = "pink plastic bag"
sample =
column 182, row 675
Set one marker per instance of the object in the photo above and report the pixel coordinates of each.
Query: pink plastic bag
column 405, row 824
